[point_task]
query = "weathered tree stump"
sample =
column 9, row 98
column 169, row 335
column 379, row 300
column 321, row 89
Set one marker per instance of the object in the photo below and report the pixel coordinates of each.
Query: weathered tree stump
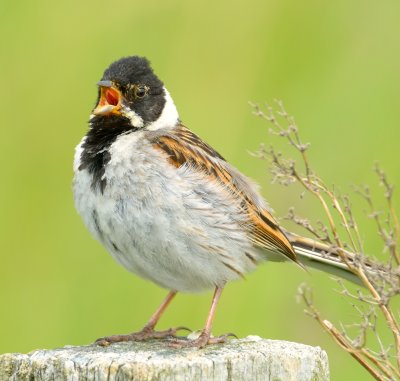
column 251, row 358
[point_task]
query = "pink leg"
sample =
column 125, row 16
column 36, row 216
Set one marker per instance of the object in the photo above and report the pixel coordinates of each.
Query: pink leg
column 148, row 331
column 205, row 336
column 211, row 313
column 160, row 310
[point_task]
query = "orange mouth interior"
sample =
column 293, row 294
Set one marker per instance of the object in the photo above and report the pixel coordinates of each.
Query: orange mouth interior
column 110, row 96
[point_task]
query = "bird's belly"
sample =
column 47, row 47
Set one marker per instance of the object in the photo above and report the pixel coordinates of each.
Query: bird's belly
column 166, row 226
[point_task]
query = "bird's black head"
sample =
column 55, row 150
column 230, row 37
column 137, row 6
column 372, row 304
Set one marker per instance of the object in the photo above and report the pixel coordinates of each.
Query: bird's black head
column 130, row 98
column 129, row 93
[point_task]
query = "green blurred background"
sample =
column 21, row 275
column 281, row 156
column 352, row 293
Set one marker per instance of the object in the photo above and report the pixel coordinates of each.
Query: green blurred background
column 336, row 67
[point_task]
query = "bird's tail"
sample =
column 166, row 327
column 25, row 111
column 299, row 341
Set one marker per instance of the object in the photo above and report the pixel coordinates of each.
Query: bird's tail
column 317, row 255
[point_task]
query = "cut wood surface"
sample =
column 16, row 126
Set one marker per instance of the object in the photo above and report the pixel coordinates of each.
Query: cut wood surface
column 251, row 358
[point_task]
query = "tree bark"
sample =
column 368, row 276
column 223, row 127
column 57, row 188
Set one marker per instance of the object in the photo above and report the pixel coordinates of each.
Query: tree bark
column 251, row 358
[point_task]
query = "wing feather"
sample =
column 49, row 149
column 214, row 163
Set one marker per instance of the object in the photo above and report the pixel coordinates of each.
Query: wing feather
column 183, row 147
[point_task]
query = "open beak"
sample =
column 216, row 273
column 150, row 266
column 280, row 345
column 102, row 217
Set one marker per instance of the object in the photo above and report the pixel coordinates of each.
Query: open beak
column 110, row 99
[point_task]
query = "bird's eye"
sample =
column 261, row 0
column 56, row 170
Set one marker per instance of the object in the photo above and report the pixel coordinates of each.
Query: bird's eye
column 141, row 91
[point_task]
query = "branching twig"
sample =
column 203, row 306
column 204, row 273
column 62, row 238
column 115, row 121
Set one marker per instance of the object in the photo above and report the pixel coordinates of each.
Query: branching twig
column 382, row 281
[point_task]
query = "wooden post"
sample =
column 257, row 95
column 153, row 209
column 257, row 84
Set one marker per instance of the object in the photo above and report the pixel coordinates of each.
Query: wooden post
column 251, row 358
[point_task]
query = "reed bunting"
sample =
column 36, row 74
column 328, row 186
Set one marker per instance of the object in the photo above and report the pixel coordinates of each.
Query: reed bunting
column 166, row 205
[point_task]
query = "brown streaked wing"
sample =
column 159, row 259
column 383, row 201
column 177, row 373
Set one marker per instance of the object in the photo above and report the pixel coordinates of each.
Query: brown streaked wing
column 184, row 147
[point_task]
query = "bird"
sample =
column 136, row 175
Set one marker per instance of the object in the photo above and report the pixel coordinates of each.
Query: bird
column 168, row 207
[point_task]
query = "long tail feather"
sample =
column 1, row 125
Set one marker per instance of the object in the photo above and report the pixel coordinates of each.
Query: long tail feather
column 322, row 257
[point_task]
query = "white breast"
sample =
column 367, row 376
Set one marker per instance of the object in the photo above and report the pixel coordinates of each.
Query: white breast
column 169, row 225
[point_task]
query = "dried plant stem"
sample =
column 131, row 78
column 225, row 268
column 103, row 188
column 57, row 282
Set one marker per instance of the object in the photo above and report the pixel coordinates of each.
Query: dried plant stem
column 356, row 270
column 382, row 281
column 329, row 216
column 388, row 195
column 386, row 310
column 342, row 215
column 360, row 354
column 390, row 240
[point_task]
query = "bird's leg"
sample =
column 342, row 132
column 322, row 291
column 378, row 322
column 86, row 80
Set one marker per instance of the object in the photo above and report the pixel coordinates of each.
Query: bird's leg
column 148, row 331
column 205, row 335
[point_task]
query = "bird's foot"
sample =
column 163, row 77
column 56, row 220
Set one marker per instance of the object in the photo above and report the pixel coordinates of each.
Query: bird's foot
column 201, row 340
column 145, row 334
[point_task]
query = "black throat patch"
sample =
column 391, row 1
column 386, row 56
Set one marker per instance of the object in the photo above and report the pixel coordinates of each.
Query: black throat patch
column 95, row 154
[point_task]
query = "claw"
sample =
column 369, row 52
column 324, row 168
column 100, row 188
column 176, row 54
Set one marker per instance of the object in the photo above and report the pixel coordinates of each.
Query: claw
column 103, row 342
column 221, row 339
column 201, row 341
column 143, row 335
column 183, row 329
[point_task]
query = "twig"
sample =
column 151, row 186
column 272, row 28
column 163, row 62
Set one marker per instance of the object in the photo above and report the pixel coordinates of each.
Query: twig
column 382, row 282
